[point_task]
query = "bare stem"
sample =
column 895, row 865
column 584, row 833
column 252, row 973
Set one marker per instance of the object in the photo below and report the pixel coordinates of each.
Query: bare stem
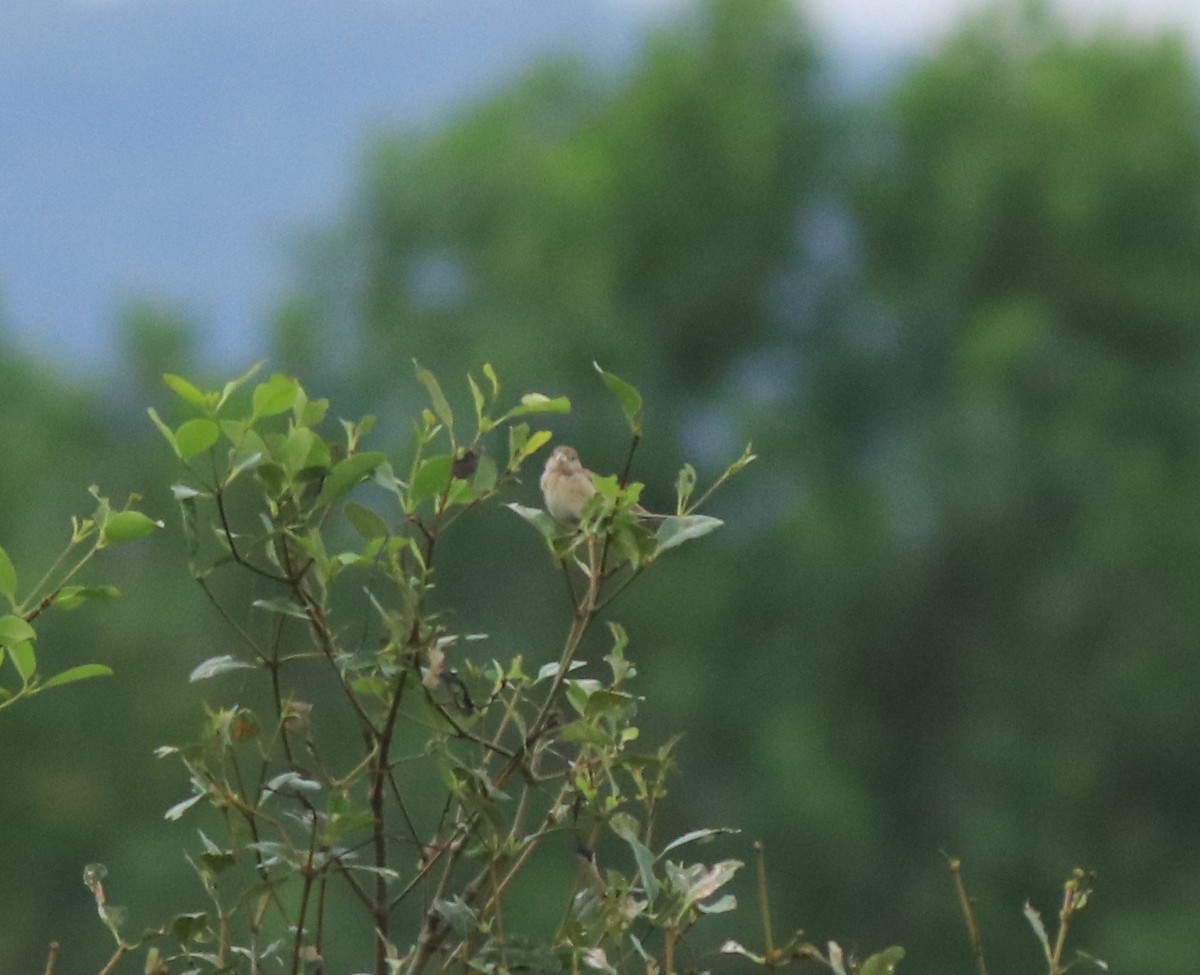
column 764, row 903
column 968, row 911
column 117, row 955
column 51, row 958
column 1071, row 901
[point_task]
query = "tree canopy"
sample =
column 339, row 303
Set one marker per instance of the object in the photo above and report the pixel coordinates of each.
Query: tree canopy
column 957, row 318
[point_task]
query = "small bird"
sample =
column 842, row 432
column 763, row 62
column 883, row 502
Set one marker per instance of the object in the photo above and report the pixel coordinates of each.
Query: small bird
column 567, row 487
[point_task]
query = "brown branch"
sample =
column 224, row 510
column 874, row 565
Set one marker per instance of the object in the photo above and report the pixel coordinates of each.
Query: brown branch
column 764, row 903
column 227, row 531
column 968, row 912
column 109, row 968
column 380, row 773
column 51, row 958
column 305, row 893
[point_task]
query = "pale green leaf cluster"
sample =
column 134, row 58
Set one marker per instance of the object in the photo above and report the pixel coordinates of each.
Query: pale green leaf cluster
column 21, row 675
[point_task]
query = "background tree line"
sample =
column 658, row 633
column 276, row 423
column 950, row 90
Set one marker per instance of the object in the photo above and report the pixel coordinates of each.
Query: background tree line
column 953, row 609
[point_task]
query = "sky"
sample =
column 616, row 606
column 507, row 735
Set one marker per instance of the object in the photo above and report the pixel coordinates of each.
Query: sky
column 900, row 26
column 175, row 150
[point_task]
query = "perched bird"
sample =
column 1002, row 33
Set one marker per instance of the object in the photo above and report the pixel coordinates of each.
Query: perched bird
column 567, row 487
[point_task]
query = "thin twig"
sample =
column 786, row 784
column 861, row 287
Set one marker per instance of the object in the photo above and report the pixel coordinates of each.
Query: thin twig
column 380, row 774
column 227, row 531
column 51, row 958
column 468, row 735
column 309, row 874
column 112, row 962
column 968, row 911
column 764, row 904
column 49, row 598
column 433, row 927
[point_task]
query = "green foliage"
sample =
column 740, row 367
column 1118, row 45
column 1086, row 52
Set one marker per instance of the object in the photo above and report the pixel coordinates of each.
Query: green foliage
column 55, row 591
column 466, row 766
column 573, row 217
column 1030, row 419
column 958, row 318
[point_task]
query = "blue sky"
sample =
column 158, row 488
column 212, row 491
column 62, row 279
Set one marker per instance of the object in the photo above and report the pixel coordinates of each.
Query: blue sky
column 174, row 150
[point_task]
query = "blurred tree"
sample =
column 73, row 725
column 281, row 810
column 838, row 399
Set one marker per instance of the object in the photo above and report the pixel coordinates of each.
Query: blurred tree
column 155, row 339
column 635, row 220
column 1031, row 216
column 953, row 609
column 962, row 335
column 80, row 782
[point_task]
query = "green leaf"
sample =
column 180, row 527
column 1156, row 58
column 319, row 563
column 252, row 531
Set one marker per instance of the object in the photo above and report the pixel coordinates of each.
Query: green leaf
column 607, row 485
column 678, row 529
column 176, row 811
column 186, row 391
column 240, row 462
column 218, row 665
column 585, row 733
column 578, row 692
column 602, row 702
column 737, row 948
column 126, row 526
column 482, row 422
column 189, row 517
column 280, row 605
column 535, row 443
column 365, row 521
column 883, row 963
column 698, row 883
column 14, row 630
column 195, row 437
column 165, row 430
column 440, row 406
column 234, row 385
column 244, row 437
column 373, row 685
column 518, row 435
column 625, row 826
column 293, row 451
column 311, row 412
column 277, row 395
column 537, row 403
column 461, row 492
column 24, row 659
column 685, row 484
column 546, row 525
column 633, row 541
column 1039, row 929
column 386, row 478
column 68, row 597
column 629, row 398
column 290, row 779
column 485, row 475
column 721, row 905
column 431, row 478
column 615, row 658
column 8, row 577
column 697, row 836
column 491, row 375
column 73, row 674
column 347, row 473
column 458, row 914
column 186, row 928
